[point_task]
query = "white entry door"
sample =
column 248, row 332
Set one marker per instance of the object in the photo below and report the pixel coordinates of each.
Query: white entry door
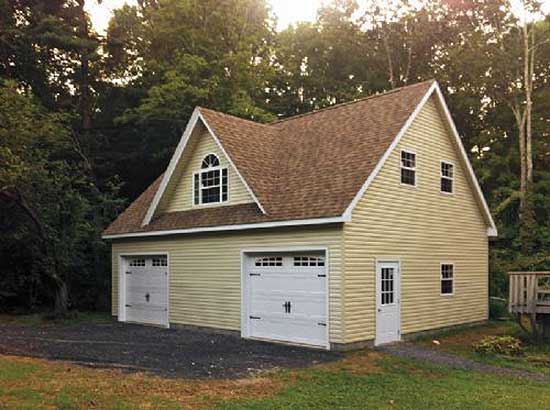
column 146, row 289
column 388, row 302
column 286, row 298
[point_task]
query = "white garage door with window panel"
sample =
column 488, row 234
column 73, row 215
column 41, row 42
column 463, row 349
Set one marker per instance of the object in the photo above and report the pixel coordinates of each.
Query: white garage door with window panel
column 144, row 289
column 285, row 297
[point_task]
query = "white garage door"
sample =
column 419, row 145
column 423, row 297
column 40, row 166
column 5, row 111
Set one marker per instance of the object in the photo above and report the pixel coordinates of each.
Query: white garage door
column 146, row 289
column 286, row 297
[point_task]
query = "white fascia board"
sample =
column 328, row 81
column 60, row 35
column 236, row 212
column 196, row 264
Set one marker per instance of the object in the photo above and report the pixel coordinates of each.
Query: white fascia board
column 232, row 164
column 349, row 210
column 176, row 158
column 171, row 166
column 491, row 230
column 218, row 228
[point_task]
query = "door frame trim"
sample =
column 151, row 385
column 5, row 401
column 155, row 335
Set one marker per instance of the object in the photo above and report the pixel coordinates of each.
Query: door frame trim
column 245, row 301
column 378, row 261
column 121, row 316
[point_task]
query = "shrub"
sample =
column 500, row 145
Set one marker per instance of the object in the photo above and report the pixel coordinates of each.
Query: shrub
column 497, row 308
column 504, row 345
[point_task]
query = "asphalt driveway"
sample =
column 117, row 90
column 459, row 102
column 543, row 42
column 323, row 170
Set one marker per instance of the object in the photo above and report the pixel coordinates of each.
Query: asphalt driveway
column 169, row 352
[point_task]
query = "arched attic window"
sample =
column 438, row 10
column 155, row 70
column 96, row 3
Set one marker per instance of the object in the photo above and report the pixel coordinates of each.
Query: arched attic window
column 210, row 183
column 210, row 161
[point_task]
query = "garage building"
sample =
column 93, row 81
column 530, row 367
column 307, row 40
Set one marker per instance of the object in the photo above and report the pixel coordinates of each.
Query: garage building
column 359, row 223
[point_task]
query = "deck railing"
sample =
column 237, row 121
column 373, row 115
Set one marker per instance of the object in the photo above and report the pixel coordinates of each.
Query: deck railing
column 529, row 292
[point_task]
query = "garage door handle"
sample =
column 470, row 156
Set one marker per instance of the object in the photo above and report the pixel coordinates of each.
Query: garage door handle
column 287, row 306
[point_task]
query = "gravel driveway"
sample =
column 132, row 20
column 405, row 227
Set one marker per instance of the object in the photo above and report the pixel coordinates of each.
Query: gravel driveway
column 437, row 357
column 168, row 352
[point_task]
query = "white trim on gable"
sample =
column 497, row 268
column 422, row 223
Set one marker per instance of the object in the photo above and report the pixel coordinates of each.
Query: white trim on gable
column 232, row 164
column 349, row 210
column 176, row 158
column 491, row 230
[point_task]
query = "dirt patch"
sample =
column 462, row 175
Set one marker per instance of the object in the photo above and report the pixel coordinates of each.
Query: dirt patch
column 360, row 363
column 51, row 378
column 471, row 336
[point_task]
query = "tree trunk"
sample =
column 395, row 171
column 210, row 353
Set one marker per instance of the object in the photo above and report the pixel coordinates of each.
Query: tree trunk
column 529, row 56
column 85, row 93
column 523, row 164
column 61, row 298
column 61, row 292
column 389, row 59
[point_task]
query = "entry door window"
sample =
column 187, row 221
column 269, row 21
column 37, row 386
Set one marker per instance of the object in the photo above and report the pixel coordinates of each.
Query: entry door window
column 387, row 293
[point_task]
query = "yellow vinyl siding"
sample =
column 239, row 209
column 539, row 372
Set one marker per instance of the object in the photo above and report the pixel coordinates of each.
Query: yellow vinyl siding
column 422, row 227
column 179, row 193
column 205, row 271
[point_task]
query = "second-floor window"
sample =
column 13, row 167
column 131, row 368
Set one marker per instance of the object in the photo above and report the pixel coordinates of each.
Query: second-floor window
column 408, row 168
column 210, row 183
column 447, row 177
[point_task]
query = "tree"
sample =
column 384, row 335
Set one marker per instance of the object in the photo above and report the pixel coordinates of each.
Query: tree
column 51, row 202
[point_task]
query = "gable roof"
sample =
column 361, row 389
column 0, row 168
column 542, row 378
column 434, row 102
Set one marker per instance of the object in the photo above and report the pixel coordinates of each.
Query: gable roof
column 299, row 170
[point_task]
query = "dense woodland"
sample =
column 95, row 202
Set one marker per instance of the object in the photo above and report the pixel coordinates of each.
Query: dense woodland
column 87, row 121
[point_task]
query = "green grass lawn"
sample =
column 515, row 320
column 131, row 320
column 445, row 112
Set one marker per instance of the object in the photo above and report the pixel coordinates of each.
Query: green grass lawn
column 363, row 380
column 535, row 359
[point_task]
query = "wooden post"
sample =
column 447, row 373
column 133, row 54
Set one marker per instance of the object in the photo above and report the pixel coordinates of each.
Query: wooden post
column 545, row 327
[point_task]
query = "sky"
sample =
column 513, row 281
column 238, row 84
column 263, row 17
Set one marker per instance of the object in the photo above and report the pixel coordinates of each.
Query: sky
column 287, row 11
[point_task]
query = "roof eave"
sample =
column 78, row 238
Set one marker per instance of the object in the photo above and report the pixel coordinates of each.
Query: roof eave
column 236, row 227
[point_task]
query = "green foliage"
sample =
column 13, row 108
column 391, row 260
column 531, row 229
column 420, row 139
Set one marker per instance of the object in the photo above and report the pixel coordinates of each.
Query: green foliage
column 52, row 214
column 503, row 345
column 88, row 122
column 498, row 308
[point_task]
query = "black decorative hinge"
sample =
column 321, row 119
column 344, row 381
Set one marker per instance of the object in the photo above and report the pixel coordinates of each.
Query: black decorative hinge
column 128, row 273
column 321, row 276
column 128, row 305
column 254, row 317
column 255, row 274
column 321, row 324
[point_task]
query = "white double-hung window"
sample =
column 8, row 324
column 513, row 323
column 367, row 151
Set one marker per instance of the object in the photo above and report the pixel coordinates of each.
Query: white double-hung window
column 210, row 183
column 408, row 168
column 447, row 177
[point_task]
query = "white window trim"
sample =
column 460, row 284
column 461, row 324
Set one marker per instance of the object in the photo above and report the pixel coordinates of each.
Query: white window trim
column 441, row 176
column 199, row 173
column 441, row 278
column 401, row 166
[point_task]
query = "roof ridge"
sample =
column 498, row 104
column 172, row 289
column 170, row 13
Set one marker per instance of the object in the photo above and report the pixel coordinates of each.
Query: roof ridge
column 234, row 116
column 368, row 97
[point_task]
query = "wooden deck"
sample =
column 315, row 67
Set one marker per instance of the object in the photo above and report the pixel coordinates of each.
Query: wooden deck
column 529, row 292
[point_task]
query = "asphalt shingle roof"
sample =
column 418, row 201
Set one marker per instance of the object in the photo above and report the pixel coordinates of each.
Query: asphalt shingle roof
column 302, row 167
